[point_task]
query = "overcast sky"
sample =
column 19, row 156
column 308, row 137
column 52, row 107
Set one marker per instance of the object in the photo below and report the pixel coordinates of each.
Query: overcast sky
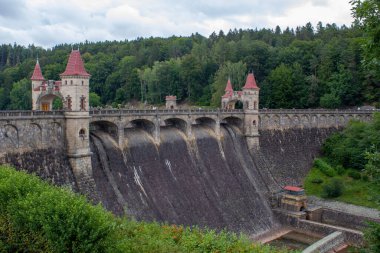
column 50, row 22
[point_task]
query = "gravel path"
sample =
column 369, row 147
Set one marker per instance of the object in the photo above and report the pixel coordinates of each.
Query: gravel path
column 344, row 207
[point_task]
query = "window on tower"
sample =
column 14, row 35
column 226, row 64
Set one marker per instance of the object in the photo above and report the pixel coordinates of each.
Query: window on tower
column 83, row 103
column 69, row 103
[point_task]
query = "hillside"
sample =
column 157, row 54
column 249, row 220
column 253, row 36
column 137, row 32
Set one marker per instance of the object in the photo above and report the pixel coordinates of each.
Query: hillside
column 306, row 67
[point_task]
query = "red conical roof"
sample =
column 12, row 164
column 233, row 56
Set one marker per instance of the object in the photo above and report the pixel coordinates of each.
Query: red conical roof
column 228, row 86
column 75, row 66
column 251, row 82
column 37, row 74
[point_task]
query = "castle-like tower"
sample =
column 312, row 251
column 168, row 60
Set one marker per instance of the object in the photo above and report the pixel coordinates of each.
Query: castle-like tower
column 73, row 90
column 249, row 96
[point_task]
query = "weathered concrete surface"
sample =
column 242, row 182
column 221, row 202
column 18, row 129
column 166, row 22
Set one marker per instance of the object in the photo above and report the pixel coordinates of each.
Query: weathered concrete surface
column 49, row 164
column 201, row 182
column 289, row 153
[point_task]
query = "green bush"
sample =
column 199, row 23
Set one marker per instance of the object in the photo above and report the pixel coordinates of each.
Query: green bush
column 317, row 181
column 332, row 189
column 324, row 167
column 340, row 170
column 354, row 174
column 37, row 217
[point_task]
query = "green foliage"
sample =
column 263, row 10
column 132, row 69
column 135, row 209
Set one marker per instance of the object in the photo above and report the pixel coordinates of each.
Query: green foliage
column 367, row 15
column 354, row 174
column 57, row 104
column 37, row 217
column 333, row 189
column 294, row 69
column 372, row 237
column 235, row 71
column 324, row 167
column 95, row 100
column 372, row 168
column 349, row 147
column 317, row 181
column 21, row 95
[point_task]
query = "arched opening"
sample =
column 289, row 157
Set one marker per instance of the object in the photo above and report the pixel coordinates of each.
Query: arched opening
column 144, row 124
column 238, row 105
column 177, row 123
column 105, row 126
column 172, row 107
column 206, row 121
column 50, row 102
column 82, row 134
column 233, row 121
column 254, row 105
column 254, row 123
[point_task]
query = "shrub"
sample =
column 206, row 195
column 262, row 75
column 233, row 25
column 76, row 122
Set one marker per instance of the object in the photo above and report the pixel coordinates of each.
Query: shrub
column 354, row 174
column 37, row 217
column 324, row 167
column 332, row 189
column 317, row 181
column 340, row 170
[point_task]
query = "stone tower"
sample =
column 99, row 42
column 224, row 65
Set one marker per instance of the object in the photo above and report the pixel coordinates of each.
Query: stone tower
column 250, row 99
column 75, row 92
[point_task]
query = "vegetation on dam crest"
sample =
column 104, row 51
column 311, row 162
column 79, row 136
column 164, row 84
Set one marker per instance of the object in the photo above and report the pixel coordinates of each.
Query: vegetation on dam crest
column 38, row 217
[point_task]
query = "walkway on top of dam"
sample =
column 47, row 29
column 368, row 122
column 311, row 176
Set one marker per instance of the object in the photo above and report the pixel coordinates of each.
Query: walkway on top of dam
column 116, row 112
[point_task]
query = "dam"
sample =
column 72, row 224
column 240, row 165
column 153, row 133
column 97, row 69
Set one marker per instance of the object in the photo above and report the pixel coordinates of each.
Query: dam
column 213, row 168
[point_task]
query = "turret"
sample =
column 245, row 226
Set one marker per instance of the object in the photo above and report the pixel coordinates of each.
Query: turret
column 229, row 92
column 250, row 99
column 250, row 96
column 75, row 84
column 37, row 82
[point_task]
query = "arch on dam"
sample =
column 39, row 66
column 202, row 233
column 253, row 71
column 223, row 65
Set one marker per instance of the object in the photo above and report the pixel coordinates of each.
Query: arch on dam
column 10, row 136
column 143, row 124
column 207, row 121
column 105, row 126
column 234, row 121
column 177, row 123
column 34, row 135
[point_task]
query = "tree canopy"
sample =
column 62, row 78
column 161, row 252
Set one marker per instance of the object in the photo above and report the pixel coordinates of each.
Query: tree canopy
column 303, row 68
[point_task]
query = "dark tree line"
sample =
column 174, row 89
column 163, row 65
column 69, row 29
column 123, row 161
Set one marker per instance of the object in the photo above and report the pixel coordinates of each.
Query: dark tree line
column 308, row 67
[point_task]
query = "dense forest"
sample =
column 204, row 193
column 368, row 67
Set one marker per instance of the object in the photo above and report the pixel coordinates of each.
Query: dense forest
column 309, row 67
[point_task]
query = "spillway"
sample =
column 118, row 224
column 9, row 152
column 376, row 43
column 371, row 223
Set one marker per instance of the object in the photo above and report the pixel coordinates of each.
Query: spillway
column 205, row 181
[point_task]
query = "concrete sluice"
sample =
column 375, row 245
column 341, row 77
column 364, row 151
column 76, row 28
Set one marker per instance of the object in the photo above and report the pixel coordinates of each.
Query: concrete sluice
column 204, row 181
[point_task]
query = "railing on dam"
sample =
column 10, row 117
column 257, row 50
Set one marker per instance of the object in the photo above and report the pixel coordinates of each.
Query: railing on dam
column 116, row 112
column 30, row 114
column 315, row 111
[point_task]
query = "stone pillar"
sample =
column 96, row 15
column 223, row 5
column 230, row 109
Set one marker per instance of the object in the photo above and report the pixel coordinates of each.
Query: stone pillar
column 217, row 128
column 120, row 135
column 78, row 151
column 189, row 132
column 251, row 129
column 157, row 129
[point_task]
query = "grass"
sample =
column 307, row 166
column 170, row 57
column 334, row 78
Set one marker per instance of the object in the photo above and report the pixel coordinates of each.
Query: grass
column 356, row 191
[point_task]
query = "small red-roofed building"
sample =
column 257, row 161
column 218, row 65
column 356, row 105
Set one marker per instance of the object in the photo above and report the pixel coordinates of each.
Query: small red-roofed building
column 171, row 102
column 293, row 199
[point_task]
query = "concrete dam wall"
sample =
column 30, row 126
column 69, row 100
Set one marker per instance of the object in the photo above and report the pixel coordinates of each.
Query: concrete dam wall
column 203, row 181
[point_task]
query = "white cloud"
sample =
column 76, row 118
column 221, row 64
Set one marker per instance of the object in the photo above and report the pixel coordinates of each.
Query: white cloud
column 50, row 22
